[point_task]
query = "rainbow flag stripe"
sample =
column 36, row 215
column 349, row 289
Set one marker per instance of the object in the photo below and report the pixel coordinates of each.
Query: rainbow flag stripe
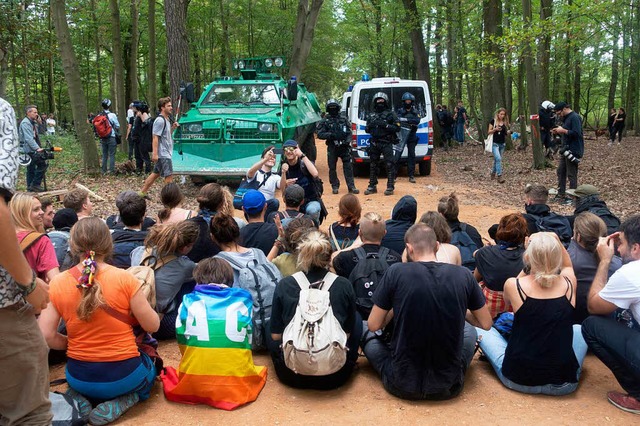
column 214, row 333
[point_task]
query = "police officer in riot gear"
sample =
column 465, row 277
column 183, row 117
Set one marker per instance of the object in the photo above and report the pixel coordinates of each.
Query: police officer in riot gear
column 383, row 126
column 409, row 119
column 546, row 117
column 335, row 129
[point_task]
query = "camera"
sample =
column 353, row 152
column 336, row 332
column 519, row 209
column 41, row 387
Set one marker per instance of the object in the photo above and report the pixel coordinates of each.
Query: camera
column 569, row 155
column 47, row 152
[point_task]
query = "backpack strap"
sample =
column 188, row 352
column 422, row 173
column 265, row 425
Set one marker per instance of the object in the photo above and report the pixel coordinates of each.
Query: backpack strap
column 30, row 239
column 382, row 255
column 157, row 263
column 302, row 280
column 360, row 253
column 333, row 237
column 285, row 214
column 463, row 227
column 233, row 262
column 328, row 280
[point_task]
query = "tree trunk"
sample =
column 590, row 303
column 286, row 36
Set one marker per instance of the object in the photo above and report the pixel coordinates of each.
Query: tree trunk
column 522, row 106
column 133, row 52
column 74, row 83
column 303, row 35
column 508, row 84
column 4, row 66
column 532, row 90
column 96, row 41
column 118, row 71
column 437, row 40
column 51, row 99
column 493, row 79
column 613, row 84
column 175, row 13
column 544, row 53
column 152, row 92
column 225, row 56
column 451, row 90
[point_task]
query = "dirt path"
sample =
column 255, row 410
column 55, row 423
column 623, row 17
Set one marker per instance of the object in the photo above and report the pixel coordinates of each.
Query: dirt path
column 363, row 400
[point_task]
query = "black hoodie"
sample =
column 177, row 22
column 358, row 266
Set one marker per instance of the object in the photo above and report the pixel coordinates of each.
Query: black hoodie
column 403, row 216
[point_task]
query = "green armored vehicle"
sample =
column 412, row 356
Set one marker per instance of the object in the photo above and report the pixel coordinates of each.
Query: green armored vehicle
column 226, row 130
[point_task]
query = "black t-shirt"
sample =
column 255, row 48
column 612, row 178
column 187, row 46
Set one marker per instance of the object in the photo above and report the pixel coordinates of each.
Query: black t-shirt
column 305, row 180
column 496, row 265
column 204, row 246
column 619, row 123
column 345, row 235
column 499, row 137
column 430, row 301
column 259, row 235
column 344, row 263
column 285, row 300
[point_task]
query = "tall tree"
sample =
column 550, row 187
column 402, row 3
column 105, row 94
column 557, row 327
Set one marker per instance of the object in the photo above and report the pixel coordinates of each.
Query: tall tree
column 303, row 34
column 118, row 68
column 493, row 74
column 74, row 84
column 175, row 14
column 544, row 52
column 152, row 93
column 133, row 41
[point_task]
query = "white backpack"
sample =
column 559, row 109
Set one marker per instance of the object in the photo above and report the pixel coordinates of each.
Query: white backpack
column 314, row 343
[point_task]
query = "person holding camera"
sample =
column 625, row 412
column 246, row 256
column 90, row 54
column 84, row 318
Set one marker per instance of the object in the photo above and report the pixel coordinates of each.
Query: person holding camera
column 571, row 150
column 336, row 130
column 499, row 128
column 30, row 145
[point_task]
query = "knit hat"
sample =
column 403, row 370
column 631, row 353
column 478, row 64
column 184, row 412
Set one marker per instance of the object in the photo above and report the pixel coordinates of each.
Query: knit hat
column 64, row 218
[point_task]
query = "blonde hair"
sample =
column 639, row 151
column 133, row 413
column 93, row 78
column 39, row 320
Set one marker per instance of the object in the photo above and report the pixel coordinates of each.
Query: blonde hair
column 227, row 204
column 372, row 227
column 90, row 234
column 21, row 205
column 314, row 251
column 544, row 255
column 506, row 116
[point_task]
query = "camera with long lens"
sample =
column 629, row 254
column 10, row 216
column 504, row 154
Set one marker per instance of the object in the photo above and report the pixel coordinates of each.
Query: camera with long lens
column 569, row 155
column 47, row 152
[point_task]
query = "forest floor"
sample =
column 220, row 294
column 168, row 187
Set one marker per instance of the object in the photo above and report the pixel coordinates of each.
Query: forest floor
column 484, row 400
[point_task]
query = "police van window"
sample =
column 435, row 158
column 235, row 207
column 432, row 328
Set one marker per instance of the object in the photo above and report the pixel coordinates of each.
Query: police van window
column 417, row 92
column 365, row 101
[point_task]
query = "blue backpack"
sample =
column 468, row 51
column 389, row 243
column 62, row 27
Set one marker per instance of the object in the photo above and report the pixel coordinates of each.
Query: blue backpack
column 461, row 239
column 557, row 224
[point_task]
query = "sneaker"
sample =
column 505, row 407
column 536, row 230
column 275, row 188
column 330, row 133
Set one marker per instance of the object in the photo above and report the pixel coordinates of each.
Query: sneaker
column 412, row 179
column 388, row 191
column 610, row 143
column 500, row 179
column 334, row 190
column 370, row 190
column 624, row 402
column 493, row 175
column 109, row 411
column 84, row 406
column 354, row 190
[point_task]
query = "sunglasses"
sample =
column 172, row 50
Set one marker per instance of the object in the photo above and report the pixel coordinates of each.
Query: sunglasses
column 290, row 148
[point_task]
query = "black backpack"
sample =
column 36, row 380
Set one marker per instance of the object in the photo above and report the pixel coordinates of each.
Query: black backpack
column 366, row 275
column 611, row 220
column 557, row 224
column 461, row 239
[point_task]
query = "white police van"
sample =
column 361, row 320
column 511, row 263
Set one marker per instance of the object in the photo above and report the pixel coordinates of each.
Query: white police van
column 358, row 104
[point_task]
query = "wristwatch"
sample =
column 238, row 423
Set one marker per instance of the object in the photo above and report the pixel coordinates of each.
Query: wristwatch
column 303, row 156
column 29, row 288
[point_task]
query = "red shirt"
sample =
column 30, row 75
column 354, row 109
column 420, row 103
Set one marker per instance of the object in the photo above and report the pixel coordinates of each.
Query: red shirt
column 41, row 255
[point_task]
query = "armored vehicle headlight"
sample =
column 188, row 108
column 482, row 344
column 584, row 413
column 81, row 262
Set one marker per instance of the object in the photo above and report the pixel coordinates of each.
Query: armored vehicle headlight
column 265, row 127
column 194, row 128
column 268, row 63
column 279, row 62
column 241, row 65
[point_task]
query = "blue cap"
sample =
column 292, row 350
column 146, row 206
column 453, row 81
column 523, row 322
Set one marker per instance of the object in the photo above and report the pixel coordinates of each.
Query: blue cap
column 290, row 142
column 253, row 202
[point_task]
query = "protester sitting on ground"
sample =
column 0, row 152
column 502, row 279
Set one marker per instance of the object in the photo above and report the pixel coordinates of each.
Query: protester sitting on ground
column 497, row 263
column 587, row 230
column 267, row 181
column 299, row 169
column 49, row 212
column 293, row 196
column 403, row 216
column 171, row 198
column 540, row 217
column 165, row 251
column 447, row 253
column 372, row 231
column 545, row 351
column 78, row 200
column 313, row 261
column 615, row 343
column 257, row 233
column 63, row 221
column 115, row 221
column 432, row 345
column 132, row 212
column 587, row 199
column 345, row 231
column 287, row 262
column 221, row 372
column 463, row 235
column 104, row 363
column 210, row 202
column 27, row 215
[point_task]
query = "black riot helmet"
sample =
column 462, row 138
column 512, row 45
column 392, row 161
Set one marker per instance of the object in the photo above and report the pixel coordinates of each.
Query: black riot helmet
column 380, row 101
column 333, row 107
column 408, row 99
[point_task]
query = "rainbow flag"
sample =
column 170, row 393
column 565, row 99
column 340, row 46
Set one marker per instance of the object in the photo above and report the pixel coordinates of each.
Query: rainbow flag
column 214, row 333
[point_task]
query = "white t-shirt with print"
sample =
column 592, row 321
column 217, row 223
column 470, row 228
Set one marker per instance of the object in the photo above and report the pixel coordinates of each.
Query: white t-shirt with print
column 270, row 186
column 623, row 288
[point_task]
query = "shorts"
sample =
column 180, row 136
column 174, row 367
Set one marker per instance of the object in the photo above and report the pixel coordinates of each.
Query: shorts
column 163, row 167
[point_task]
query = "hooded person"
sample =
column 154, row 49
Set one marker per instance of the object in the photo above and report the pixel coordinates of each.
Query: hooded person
column 587, row 199
column 404, row 214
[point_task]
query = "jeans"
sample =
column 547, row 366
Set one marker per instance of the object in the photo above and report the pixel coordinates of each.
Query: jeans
column 380, row 356
column 376, row 150
column 108, row 154
column 344, row 153
column 273, row 205
column 567, row 169
column 494, row 346
column 24, row 388
column 312, row 208
column 331, row 381
column 411, row 158
column 35, row 172
column 459, row 132
column 498, row 150
column 618, row 347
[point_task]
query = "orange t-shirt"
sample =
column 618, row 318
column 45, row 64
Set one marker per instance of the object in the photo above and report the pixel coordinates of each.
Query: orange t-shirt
column 102, row 338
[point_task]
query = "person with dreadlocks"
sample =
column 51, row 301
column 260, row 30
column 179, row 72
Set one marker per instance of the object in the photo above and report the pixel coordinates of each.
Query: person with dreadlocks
column 95, row 299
